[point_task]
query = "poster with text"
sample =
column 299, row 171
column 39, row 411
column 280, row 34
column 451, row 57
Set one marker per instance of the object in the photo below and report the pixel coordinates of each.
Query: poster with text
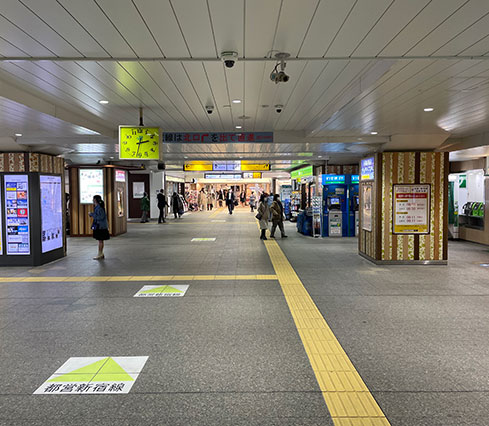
column 91, row 183
column 411, row 209
column 51, row 213
column 367, row 207
column 1, row 229
column 17, row 214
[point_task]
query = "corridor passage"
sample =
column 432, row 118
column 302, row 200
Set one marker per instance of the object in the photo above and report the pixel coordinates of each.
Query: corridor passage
column 299, row 331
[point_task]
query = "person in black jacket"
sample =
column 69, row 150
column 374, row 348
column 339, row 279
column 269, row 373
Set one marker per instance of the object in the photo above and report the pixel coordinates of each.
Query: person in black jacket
column 162, row 203
column 230, row 200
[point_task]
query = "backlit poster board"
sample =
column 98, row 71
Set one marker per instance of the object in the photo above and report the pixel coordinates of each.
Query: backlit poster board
column 91, row 183
column 120, row 176
column 367, row 207
column 1, row 230
column 411, row 207
column 51, row 213
column 17, row 214
column 367, row 169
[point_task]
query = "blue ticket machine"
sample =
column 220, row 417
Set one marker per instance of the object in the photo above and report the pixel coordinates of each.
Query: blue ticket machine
column 353, row 203
column 335, row 206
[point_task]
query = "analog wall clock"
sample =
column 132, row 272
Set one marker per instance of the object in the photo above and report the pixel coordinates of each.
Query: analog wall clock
column 139, row 143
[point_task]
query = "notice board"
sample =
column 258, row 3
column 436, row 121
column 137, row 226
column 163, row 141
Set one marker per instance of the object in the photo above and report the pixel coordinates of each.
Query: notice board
column 411, row 208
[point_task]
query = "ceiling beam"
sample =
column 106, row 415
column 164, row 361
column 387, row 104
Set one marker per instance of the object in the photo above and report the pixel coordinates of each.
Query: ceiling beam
column 242, row 59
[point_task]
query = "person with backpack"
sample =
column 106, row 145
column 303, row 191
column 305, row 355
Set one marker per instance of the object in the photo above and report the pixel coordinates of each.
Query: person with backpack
column 100, row 226
column 177, row 205
column 162, row 203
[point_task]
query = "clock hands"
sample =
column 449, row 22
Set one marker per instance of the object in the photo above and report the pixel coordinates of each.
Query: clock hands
column 139, row 143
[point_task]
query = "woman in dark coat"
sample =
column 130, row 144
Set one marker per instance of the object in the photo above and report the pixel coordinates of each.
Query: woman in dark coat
column 100, row 226
column 177, row 205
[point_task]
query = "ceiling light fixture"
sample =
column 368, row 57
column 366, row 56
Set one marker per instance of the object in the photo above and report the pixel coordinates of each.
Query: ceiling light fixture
column 103, row 102
column 239, row 127
column 428, row 109
column 18, row 135
column 373, row 133
column 236, row 101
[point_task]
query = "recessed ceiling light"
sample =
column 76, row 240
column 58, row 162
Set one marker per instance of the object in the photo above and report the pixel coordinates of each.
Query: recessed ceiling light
column 320, row 156
column 18, row 135
column 428, row 109
column 185, row 156
column 239, row 127
column 373, row 133
column 103, row 102
column 236, row 101
column 111, row 158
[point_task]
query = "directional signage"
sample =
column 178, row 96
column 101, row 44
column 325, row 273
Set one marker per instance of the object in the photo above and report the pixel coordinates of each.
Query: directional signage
column 333, row 179
column 94, row 375
column 226, row 137
column 304, row 172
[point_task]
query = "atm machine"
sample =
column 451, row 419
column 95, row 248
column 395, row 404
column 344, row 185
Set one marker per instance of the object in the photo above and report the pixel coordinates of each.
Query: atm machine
column 353, row 205
column 335, row 212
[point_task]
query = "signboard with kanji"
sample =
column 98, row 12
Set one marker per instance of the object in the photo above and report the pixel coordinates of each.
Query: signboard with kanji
column 411, row 208
column 226, row 137
column 94, row 375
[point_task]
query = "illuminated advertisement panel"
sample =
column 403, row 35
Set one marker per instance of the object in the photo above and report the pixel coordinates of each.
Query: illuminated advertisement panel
column 51, row 213
column 91, row 183
column 17, row 214
column 367, row 169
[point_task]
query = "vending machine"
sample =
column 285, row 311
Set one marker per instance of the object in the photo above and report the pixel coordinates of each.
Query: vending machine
column 353, row 204
column 32, row 215
column 335, row 211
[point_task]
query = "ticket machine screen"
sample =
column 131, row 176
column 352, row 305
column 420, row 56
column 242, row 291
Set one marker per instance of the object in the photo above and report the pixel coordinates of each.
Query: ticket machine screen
column 334, row 203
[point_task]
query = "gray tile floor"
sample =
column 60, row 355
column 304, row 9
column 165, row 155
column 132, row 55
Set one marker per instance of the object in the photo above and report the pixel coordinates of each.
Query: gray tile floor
column 228, row 352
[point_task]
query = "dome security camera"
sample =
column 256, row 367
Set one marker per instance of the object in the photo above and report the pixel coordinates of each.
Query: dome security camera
column 279, row 108
column 229, row 58
column 209, row 109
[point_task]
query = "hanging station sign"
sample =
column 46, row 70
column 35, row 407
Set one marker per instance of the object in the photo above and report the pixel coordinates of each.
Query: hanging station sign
column 17, row 214
column 301, row 173
column 411, row 207
column 139, row 143
column 367, row 169
column 224, row 166
column 255, row 167
column 226, row 137
column 333, row 179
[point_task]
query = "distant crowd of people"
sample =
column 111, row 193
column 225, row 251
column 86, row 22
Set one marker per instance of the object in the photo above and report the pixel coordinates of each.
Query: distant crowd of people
column 266, row 211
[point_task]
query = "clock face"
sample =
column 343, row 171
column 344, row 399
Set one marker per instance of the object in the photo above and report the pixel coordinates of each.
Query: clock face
column 139, row 143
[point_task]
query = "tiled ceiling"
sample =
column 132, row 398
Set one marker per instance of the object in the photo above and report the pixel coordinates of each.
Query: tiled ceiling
column 356, row 66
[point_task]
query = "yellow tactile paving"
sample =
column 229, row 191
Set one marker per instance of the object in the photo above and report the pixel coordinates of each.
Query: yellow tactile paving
column 349, row 401
column 139, row 278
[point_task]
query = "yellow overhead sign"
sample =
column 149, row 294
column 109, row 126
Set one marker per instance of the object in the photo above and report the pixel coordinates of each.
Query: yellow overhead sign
column 255, row 167
column 197, row 167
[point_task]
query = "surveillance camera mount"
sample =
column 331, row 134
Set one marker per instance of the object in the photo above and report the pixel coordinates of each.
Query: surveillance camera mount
column 281, row 57
column 279, row 76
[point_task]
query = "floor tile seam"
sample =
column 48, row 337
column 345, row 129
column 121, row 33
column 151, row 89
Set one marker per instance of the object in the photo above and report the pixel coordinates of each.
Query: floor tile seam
column 279, row 260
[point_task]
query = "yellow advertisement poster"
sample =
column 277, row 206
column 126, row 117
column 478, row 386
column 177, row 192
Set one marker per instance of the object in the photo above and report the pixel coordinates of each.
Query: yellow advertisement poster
column 411, row 209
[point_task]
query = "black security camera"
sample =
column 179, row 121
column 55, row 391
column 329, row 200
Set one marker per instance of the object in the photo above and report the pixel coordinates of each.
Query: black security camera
column 279, row 108
column 209, row 109
column 229, row 58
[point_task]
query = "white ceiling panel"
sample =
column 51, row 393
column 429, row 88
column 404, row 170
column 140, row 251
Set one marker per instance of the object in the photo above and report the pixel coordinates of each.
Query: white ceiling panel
column 66, row 26
column 465, row 17
column 217, row 81
column 261, row 23
column 161, row 20
column 423, row 24
column 357, row 25
column 131, row 26
column 397, row 16
column 292, row 27
column 29, row 22
column 227, row 23
column 91, row 18
column 193, row 18
column 327, row 21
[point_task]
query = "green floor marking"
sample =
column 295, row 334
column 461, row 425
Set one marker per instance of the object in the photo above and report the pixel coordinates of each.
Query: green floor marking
column 155, row 290
column 112, row 372
column 83, row 374
column 170, row 289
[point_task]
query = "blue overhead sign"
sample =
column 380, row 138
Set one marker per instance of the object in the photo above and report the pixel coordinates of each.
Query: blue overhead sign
column 333, row 179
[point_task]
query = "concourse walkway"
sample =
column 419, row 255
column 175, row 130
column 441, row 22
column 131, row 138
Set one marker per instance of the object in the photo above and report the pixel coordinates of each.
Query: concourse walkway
column 289, row 332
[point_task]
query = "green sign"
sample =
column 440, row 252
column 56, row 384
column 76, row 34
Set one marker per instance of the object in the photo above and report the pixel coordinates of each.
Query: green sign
column 304, row 172
column 462, row 181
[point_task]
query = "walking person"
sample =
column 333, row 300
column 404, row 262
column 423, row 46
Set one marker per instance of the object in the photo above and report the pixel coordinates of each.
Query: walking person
column 242, row 198
column 162, row 203
column 220, row 197
column 177, row 205
column 100, row 226
column 230, row 200
column 263, row 215
column 210, row 200
column 277, row 210
column 202, row 200
column 145, row 208
column 252, row 201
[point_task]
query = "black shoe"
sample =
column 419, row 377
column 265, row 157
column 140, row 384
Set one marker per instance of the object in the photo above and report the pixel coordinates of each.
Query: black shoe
column 285, row 236
column 264, row 238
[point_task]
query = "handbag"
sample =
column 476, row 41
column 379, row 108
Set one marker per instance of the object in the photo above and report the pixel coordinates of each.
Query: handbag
column 94, row 226
column 236, row 202
column 259, row 216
